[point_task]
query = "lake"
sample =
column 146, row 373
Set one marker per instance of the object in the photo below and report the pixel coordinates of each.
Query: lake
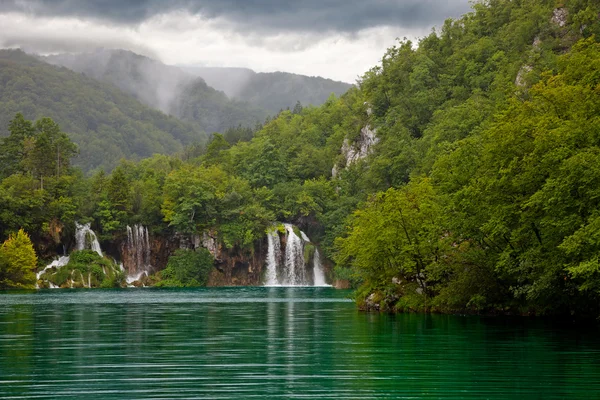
column 244, row 343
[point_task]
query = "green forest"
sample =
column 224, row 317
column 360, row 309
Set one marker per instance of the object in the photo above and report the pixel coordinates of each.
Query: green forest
column 460, row 175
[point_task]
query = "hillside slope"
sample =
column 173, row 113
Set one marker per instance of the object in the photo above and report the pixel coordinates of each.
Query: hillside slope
column 103, row 121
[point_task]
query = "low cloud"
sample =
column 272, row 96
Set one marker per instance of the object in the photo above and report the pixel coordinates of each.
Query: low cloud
column 337, row 39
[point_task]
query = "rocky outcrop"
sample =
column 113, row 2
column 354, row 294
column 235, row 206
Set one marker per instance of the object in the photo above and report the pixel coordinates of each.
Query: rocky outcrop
column 520, row 80
column 361, row 148
column 560, row 16
column 353, row 151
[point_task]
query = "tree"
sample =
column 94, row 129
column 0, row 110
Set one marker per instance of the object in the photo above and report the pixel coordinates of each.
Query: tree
column 398, row 235
column 12, row 147
column 17, row 262
column 48, row 152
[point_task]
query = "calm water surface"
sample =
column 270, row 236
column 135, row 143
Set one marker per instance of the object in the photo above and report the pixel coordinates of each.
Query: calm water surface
column 278, row 343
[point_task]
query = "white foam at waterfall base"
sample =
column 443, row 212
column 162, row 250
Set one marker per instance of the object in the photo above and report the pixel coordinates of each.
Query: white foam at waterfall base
column 132, row 278
column 84, row 235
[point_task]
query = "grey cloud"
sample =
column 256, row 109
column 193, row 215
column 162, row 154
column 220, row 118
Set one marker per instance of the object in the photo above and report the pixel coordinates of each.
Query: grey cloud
column 49, row 44
column 347, row 16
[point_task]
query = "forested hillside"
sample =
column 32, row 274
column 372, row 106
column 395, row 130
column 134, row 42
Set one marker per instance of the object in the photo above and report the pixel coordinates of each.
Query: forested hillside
column 459, row 175
column 104, row 122
column 166, row 88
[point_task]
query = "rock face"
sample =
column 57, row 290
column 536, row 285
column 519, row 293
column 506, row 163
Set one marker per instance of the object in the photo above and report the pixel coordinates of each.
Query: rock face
column 361, row 148
column 358, row 150
column 372, row 303
column 520, row 79
column 559, row 16
column 154, row 258
column 239, row 268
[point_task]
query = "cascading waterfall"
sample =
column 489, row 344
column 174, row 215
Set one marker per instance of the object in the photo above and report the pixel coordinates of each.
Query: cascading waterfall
column 291, row 268
column 60, row 262
column 294, row 259
column 138, row 249
column 86, row 238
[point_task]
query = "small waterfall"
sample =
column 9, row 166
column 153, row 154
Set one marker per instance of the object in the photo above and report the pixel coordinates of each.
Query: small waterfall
column 60, row 262
column 291, row 268
column 273, row 257
column 319, row 274
column 86, row 238
column 138, row 249
column 294, row 259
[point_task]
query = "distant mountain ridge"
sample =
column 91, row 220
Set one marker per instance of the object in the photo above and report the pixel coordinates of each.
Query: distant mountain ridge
column 251, row 94
column 270, row 90
column 164, row 87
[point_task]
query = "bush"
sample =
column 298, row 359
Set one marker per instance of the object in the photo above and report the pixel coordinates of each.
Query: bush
column 117, row 280
column 187, row 268
column 85, row 257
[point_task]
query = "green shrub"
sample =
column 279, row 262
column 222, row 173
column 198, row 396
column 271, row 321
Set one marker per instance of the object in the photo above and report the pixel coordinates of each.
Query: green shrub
column 187, row 268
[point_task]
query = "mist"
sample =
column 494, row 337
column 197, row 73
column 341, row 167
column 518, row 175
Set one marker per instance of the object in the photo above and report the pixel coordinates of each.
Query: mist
column 151, row 82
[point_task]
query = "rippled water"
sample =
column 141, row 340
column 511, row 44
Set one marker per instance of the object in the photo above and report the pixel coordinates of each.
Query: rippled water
column 277, row 343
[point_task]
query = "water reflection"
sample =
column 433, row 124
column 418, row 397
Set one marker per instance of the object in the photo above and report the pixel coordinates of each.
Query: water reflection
column 277, row 342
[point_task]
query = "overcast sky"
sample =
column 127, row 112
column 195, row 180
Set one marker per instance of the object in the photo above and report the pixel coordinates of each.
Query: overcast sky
column 337, row 39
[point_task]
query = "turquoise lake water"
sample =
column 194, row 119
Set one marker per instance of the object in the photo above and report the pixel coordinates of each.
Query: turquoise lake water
column 244, row 343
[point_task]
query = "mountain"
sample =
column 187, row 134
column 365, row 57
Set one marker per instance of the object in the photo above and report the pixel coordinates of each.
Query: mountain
column 151, row 82
column 106, row 123
column 164, row 87
column 272, row 91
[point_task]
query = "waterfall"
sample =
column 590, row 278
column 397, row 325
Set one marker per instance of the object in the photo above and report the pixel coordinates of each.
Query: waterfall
column 294, row 259
column 291, row 268
column 273, row 257
column 60, row 262
column 319, row 275
column 86, row 238
column 138, row 249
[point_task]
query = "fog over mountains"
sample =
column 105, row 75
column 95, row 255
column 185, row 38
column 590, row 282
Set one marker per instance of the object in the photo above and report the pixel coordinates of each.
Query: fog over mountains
column 160, row 86
column 117, row 104
column 269, row 90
